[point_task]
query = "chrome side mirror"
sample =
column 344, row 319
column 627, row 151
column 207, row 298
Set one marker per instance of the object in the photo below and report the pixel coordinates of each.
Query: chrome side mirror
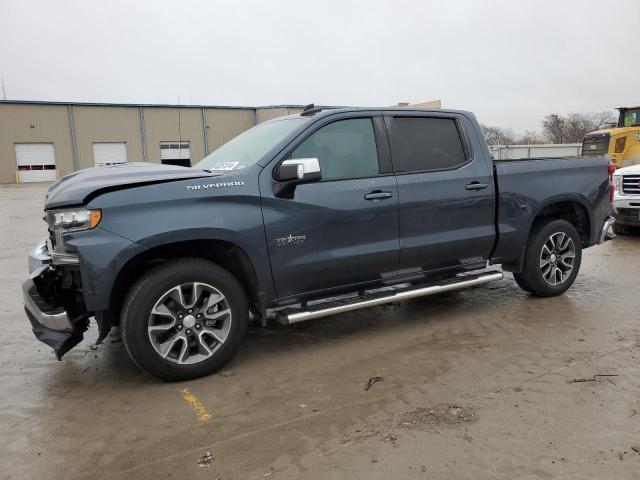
column 295, row 171
column 299, row 170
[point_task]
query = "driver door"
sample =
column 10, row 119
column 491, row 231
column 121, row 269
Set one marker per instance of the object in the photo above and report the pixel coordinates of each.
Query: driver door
column 342, row 230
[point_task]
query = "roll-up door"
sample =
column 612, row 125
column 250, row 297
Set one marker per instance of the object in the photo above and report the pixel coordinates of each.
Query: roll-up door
column 109, row 153
column 36, row 162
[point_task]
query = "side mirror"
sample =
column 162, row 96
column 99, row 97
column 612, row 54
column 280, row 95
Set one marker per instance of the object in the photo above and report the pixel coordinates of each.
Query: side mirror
column 299, row 170
column 293, row 172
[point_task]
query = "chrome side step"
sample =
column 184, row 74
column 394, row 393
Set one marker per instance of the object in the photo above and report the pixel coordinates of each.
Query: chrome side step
column 287, row 317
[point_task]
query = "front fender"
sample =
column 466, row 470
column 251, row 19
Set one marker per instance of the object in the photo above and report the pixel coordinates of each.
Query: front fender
column 102, row 255
column 155, row 215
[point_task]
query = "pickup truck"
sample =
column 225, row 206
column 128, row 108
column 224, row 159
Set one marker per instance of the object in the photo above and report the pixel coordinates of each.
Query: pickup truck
column 626, row 200
column 301, row 217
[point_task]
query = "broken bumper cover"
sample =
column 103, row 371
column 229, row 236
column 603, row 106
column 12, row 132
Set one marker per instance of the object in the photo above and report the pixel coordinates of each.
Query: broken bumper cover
column 51, row 324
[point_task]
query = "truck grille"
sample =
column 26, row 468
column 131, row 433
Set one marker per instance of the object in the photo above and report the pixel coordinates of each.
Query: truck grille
column 596, row 144
column 631, row 184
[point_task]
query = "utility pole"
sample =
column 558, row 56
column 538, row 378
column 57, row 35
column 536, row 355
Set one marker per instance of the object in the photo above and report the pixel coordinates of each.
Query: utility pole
column 4, row 92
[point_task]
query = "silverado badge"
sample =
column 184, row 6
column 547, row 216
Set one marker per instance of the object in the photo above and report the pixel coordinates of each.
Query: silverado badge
column 214, row 185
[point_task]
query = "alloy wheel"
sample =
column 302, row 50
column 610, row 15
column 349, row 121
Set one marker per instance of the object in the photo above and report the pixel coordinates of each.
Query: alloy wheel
column 557, row 258
column 189, row 323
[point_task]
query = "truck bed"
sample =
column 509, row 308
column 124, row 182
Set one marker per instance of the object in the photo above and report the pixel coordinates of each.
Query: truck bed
column 524, row 187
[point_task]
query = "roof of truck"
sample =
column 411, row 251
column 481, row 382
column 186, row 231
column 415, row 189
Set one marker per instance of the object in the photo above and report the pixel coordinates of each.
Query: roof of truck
column 333, row 110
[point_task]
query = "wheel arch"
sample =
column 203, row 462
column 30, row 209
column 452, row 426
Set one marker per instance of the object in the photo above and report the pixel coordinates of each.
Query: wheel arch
column 575, row 210
column 224, row 253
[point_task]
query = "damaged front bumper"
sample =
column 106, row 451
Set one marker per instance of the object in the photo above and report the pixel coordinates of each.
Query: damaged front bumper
column 59, row 327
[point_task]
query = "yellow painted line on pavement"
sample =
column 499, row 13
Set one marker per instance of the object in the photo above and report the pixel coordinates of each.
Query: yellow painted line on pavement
column 201, row 412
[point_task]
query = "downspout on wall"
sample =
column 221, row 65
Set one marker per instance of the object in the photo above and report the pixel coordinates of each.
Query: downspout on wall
column 72, row 138
column 143, row 138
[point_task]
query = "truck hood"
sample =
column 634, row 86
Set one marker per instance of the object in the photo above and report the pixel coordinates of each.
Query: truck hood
column 77, row 188
column 631, row 170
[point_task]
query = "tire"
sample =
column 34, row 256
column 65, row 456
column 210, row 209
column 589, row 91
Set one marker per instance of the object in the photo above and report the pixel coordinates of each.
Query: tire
column 620, row 229
column 562, row 263
column 179, row 348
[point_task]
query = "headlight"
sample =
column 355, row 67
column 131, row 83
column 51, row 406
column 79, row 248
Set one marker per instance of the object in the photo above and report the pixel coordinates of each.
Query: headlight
column 75, row 219
column 617, row 183
column 620, row 144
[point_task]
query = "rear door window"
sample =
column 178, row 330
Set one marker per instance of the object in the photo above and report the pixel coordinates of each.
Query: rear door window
column 426, row 143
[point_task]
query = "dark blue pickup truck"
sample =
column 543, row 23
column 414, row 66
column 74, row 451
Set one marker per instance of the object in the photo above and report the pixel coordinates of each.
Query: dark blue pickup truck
column 301, row 217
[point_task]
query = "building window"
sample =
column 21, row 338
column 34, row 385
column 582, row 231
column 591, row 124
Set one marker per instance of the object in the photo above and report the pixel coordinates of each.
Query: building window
column 175, row 153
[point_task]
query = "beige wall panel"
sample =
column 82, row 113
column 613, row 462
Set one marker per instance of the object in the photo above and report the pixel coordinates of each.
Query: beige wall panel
column 161, row 125
column 34, row 123
column 106, row 124
column 226, row 123
column 431, row 104
column 264, row 114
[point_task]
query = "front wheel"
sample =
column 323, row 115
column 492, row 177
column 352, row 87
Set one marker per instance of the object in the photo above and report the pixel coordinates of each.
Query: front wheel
column 184, row 319
column 552, row 259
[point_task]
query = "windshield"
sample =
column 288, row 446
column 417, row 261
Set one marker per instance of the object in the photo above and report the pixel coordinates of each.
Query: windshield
column 250, row 146
column 631, row 118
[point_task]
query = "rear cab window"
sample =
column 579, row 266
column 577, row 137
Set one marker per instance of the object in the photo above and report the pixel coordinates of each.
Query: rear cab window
column 421, row 144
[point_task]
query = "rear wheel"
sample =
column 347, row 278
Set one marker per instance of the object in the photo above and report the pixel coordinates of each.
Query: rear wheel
column 184, row 319
column 552, row 259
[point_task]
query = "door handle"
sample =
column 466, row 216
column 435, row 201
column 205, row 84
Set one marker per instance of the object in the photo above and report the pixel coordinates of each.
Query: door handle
column 378, row 195
column 476, row 186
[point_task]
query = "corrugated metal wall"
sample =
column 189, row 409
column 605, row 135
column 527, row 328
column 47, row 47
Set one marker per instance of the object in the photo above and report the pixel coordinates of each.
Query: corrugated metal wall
column 224, row 124
column 171, row 125
column 33, row 124
column 106, row 124
column 264, row 114
column 88, row 124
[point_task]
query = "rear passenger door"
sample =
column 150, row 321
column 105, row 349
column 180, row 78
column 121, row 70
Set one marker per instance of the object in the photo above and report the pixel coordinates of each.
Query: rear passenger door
column 446, row 192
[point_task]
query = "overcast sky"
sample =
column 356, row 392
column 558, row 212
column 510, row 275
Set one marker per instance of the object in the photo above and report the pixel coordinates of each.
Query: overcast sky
column 511, row 62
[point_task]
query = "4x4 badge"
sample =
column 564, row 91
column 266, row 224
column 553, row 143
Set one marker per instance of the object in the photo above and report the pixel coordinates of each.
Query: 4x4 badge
column 291, row 240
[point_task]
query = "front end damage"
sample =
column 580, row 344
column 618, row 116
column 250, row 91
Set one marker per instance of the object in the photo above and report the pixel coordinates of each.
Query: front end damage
column 53, row 302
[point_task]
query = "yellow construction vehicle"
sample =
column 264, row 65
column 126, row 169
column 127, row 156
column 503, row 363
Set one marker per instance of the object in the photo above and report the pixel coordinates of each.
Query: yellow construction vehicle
column 621, row 143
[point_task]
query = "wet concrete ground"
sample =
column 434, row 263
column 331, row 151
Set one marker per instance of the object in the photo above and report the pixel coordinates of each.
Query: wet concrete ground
column 477, row 384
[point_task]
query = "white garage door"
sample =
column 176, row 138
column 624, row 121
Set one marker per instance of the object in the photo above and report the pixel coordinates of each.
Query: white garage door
column 174, row 150
column 111, row 153
column 36, row 162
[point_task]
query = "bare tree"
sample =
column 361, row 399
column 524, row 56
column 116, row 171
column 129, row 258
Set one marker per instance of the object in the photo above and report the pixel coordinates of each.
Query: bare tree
column 573, row 127
column 530, row 137
column 555, row 128
column 497, row 135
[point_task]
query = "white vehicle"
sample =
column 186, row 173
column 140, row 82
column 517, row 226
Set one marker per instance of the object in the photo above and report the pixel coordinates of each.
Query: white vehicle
column 626, row 200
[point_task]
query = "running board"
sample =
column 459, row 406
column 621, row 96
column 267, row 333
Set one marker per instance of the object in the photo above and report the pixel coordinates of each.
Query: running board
column 287, row 317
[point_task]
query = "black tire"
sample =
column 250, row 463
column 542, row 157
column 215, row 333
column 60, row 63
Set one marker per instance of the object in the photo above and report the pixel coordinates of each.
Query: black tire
column 144, row 294
column 531, row 278
column 620, row 229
